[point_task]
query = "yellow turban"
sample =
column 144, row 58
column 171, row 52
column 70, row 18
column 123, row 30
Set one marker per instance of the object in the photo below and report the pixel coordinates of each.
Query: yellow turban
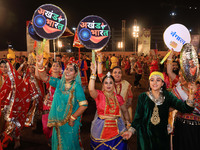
column 156, row 73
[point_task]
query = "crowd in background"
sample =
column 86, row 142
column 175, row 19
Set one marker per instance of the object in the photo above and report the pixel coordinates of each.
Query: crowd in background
column 23, row 69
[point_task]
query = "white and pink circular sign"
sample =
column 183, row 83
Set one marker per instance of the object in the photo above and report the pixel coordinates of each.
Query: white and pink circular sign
column 175, row 36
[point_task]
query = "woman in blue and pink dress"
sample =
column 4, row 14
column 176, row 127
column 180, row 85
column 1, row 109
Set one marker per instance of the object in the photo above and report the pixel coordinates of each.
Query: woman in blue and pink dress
column 107, row 125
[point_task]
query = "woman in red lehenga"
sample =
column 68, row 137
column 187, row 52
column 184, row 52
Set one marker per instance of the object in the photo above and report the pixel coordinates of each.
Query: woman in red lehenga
column 55, row 72
column 15, row 101
column 37, row 94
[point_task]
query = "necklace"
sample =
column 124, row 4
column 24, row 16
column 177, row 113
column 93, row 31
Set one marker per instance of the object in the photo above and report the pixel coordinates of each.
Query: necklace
column 68, row 85
column 159, row 100
column 111, row 101
column 155, row 119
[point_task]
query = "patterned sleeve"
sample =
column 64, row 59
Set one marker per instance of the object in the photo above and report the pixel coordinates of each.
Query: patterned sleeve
column 80, row 95
column 130, row 93
column 120, row 99
column 175, row 81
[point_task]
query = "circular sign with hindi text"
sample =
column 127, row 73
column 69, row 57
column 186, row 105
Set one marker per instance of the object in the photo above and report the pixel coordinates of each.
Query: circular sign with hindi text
column 49, row 21
column 93, row 32
column 175, row 36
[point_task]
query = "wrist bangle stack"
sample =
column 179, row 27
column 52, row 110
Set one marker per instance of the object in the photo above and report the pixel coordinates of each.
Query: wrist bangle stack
column 73, row 118
column 131, row 129
column 93, row 76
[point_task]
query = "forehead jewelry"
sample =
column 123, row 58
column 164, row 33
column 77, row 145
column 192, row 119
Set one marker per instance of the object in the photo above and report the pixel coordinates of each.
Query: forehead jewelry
column 108, row 74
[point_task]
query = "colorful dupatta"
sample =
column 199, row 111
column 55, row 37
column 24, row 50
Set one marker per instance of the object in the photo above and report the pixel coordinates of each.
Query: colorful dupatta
column 64, row 104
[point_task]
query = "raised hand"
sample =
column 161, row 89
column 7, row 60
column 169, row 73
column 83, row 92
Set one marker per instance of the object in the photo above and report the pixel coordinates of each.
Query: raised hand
column 93, row 67
column 39, row 61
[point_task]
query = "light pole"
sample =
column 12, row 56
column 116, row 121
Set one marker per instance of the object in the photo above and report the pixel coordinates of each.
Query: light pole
column 59, row 45
column 135, row 32
column 120, row 45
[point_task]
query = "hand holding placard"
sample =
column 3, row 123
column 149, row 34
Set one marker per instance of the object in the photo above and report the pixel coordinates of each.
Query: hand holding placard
column 175, row 36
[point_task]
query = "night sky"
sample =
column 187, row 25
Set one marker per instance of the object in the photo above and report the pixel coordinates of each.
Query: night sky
column 15, row 13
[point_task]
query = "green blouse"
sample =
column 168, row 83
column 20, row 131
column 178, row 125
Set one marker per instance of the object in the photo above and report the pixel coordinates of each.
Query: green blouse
column 155, row 137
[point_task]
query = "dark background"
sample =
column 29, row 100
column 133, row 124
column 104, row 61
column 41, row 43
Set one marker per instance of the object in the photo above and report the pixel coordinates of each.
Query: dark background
column 15, row 13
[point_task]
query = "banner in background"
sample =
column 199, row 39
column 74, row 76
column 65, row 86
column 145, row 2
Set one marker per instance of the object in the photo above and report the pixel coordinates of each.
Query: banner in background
column 144, row 42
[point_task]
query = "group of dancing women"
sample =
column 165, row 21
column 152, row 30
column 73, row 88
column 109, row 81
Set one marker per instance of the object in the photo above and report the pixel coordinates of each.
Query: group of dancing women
column 164, row 119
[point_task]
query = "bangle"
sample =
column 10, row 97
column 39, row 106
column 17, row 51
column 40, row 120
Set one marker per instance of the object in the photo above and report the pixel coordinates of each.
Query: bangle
column 41, row 70
column 93, row 77
column 131, row 129
column 73, row 118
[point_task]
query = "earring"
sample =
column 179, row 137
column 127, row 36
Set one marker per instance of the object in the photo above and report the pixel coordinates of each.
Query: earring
column 161, row 89
column 149, row 89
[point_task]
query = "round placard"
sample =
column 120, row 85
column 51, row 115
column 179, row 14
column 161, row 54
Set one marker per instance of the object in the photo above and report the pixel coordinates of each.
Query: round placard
column 93, row 32
column 32, row 32
column 175, row 36
column 49, row 21
column 189, row 62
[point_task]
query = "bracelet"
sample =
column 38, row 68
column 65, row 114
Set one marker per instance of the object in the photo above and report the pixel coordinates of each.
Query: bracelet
column 131, row 129
column 41, row 70
column 93, row 77
column 73, row 118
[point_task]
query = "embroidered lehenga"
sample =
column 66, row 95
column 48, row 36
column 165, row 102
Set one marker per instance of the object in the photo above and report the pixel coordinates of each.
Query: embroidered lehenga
column 108, row 125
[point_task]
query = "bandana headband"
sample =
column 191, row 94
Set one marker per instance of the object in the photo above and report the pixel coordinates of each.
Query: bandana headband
column 156, row 73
